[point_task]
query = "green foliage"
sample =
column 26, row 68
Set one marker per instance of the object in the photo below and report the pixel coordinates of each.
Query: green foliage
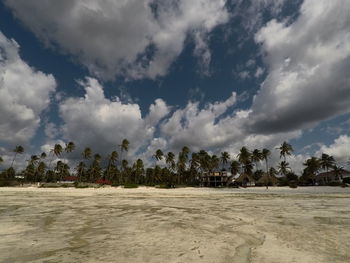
column 56, row 185
column 129, row 185
column 79, row 185
column 185, row 170
column 293, row 184
column 346, row 180
column 335, row 184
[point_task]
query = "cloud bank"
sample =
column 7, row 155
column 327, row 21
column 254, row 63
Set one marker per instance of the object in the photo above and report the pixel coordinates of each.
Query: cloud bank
column 130, row 38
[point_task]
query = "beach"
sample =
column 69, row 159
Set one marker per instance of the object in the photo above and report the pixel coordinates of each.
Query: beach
column 307, row 224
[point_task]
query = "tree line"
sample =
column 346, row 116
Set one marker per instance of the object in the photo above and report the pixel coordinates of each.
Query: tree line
column 184, row 169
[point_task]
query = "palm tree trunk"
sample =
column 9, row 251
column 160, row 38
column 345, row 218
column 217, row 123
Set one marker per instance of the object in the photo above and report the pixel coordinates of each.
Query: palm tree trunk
column 268, row 174
column 51, row 160
column 13, row 160
column 108, row 167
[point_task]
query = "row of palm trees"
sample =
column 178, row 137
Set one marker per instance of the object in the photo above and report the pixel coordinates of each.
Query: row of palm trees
column 185, row 169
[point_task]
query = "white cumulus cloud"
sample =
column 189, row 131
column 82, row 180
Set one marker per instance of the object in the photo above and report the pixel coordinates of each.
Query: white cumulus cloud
column 101, row 123
column 308, row 61
column 339, row 149
column 24, row 94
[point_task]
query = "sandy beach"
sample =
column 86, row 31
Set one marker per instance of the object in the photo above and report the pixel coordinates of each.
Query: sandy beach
column 175, row 225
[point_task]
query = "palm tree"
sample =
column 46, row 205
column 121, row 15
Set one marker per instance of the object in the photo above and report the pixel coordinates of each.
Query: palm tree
column 327, row 161
column 34, row 159
column 40, row 171
column 43, row 155
column 273, row 171
column 62, row 169
column 312, row 166
column 124, row 146
column 18, row 150
column 244, row 157
column 158, row 155
column 235, row 167
column 285, row 149
column 283, row 168
column 265, row 155
column 194, row 165
column 95, row 168
column 225, row 157
column 30, row 171
column 112, row 158
column 182, row 162
column 338, row 171
column 56, row 151
column 256, row 157
column 139, row 170
column 87, row 153
column 185, row 150
column 214, row 162
column 125, row 164
column 170, row 160
column 80, row 169
column 70, row 146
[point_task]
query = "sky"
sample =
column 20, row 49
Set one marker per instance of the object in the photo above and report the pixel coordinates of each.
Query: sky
column 209, row 74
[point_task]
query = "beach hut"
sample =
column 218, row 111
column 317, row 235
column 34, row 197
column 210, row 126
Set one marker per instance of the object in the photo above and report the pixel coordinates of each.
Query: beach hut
column 245, row 180
column 267, row 179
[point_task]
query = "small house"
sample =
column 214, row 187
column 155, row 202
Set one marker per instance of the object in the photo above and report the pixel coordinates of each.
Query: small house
column 69, row 180
column 245, row 180
column 331, row 177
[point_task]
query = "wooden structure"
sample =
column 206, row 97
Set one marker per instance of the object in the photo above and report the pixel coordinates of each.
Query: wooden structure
column 215, row 179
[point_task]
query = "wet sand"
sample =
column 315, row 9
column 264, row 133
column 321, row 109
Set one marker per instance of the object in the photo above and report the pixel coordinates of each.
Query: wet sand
column 175, row 225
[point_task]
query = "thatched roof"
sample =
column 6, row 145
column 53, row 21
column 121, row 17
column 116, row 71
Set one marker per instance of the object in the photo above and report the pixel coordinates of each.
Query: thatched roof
column 266, row 179
column 243, row 177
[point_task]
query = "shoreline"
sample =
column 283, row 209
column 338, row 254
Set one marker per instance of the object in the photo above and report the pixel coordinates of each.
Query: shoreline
column 317, row 190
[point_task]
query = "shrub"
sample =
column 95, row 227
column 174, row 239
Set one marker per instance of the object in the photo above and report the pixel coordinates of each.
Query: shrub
column 346, row 180
column 81, row 185
column 293, row 184
column 4, row 183
column 127, row 185
column 335, row 184
column 165, row 186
